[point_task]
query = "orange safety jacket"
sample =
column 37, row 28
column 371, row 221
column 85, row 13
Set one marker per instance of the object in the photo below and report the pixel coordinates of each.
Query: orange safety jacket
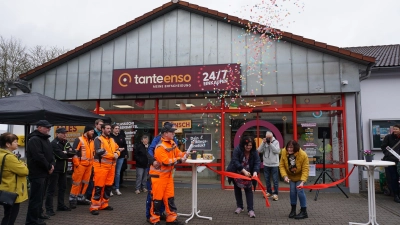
column 105, row 147
column 168, row 154
column 85, row 149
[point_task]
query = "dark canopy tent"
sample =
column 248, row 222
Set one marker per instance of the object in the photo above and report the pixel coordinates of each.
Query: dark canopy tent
column 28, row 109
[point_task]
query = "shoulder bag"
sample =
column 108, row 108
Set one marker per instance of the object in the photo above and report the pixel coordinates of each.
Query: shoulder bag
column 6, row 197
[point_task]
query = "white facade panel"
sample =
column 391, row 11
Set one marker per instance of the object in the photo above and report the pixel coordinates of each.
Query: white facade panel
column 107, row 63
column 196, row 39
column 183, row 38
column 72, row 79
column 61, row 81
column 120, row 52
column 50, row 81
column 170, row 35
column 83, row 77
column 157, row 42
column 132, row 49
column 95, row 73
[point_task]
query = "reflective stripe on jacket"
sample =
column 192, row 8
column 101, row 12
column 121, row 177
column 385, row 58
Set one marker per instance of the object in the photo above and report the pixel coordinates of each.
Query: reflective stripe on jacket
column 168, row 155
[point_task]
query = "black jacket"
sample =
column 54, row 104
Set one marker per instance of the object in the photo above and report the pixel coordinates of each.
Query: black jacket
column 121, row 142
column 235, row 165
column 39, row 155
column 61, row 159
column 141, row 155
column 390, row 140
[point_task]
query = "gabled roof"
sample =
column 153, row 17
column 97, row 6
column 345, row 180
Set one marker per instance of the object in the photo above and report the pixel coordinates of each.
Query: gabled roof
column 386, row 55
column 249, row 25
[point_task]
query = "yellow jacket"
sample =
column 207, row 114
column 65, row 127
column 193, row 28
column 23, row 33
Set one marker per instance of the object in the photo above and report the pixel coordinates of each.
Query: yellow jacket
column 14, row 174
column 301, row 164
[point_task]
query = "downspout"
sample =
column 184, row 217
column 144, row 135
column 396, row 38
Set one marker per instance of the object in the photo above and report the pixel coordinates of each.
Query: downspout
column 359, row 124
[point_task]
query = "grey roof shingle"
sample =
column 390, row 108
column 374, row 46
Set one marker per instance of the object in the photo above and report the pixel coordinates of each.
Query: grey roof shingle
column 386, row 55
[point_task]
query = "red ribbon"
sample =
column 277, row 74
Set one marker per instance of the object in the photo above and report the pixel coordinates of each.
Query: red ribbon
column 323, row 186
column 315, row 186
column 236, row 175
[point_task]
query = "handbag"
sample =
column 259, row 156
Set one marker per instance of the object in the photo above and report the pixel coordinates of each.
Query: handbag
column 6, row 197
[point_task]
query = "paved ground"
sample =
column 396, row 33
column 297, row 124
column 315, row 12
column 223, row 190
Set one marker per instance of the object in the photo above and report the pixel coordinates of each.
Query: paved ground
column 330, row 208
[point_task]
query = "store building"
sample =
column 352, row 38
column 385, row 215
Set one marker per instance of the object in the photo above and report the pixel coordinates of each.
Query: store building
column 202, row 70
column 378, row 113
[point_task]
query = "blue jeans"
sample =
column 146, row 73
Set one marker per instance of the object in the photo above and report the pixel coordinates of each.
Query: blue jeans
column 268, row 171
column 294, row 192
column 238, row 196
column 118, row 172
column 141, row 177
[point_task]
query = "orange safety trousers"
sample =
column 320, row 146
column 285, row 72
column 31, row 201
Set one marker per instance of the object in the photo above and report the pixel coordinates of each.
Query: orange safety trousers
column 80, row 177
column 163, row 190
column 103, row 180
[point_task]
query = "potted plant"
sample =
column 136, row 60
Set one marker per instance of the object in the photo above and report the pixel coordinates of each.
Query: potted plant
column 368, row 155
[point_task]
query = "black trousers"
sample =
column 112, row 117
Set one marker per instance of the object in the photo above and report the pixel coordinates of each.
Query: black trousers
column 393, row 179
column 238, row 196
column 61, row 179
column 89, row 189
column 10, row 214
column 36, row 195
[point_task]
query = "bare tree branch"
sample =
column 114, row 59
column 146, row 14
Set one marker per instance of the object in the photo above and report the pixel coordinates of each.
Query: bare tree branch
column 15, row 59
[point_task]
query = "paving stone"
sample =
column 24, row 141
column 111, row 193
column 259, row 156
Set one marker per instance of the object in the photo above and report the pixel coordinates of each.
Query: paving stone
column 329, row 209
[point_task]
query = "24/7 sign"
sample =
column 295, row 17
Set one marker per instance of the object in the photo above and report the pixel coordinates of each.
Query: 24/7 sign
column 201, row 141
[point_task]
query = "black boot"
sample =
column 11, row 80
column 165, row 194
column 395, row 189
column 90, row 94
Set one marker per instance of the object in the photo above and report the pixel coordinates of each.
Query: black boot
column 302, row 214
column 293, row 212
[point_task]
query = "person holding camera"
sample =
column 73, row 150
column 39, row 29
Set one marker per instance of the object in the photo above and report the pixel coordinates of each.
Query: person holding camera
column 270, row 150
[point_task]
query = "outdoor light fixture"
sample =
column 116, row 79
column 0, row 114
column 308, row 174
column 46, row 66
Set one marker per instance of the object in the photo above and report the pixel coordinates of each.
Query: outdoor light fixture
column 187, row 105
column 23, row 86
column 124, row 106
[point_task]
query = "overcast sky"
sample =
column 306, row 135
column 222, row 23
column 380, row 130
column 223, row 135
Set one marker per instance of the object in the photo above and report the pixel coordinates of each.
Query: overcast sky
column 68, row 24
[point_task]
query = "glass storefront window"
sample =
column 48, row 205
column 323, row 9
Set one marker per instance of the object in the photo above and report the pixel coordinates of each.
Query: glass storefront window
column 318, row 101
column 279, row 123
column 189, row 104
column 138, row 104
column 322, row 132
column 134, row 126
column 259, row 102
column 206, row 123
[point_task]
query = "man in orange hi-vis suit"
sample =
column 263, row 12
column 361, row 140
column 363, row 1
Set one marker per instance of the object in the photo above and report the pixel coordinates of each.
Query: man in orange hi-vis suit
column 167, row 154
column 106, row 154
column 83, row 162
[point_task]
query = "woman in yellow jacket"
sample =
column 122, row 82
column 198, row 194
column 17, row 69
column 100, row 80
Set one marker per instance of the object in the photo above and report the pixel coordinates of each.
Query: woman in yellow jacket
column 14, row 176
column 294, row 170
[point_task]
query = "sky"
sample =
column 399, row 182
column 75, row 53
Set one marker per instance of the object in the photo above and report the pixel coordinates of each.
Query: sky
column 69, row 24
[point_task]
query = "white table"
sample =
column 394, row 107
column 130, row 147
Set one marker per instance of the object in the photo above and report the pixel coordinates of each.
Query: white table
column 195, row 163
column 370, row 166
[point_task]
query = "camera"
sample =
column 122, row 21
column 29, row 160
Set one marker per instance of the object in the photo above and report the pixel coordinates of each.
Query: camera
column 268, row 140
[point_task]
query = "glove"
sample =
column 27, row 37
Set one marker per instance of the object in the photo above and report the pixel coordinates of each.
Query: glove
column 116, row 156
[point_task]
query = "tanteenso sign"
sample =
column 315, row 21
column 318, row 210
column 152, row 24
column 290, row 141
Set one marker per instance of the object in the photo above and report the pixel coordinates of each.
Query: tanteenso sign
column 177, row 79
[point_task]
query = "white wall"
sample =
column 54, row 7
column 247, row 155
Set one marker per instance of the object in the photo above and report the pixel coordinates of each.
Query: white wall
column 352, row 154
column 379, row 100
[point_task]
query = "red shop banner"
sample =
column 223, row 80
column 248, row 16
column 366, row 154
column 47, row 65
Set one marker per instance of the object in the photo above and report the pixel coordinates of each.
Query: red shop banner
column 205, row 78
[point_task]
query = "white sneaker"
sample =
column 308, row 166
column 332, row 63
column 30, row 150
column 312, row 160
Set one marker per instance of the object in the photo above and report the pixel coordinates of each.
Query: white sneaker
column 118, row 192
column 111, row 194
column 137, row 192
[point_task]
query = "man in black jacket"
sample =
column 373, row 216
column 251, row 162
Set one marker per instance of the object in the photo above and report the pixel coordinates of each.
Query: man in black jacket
column 62, row 150
column 391, row 140
column 40, row 164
